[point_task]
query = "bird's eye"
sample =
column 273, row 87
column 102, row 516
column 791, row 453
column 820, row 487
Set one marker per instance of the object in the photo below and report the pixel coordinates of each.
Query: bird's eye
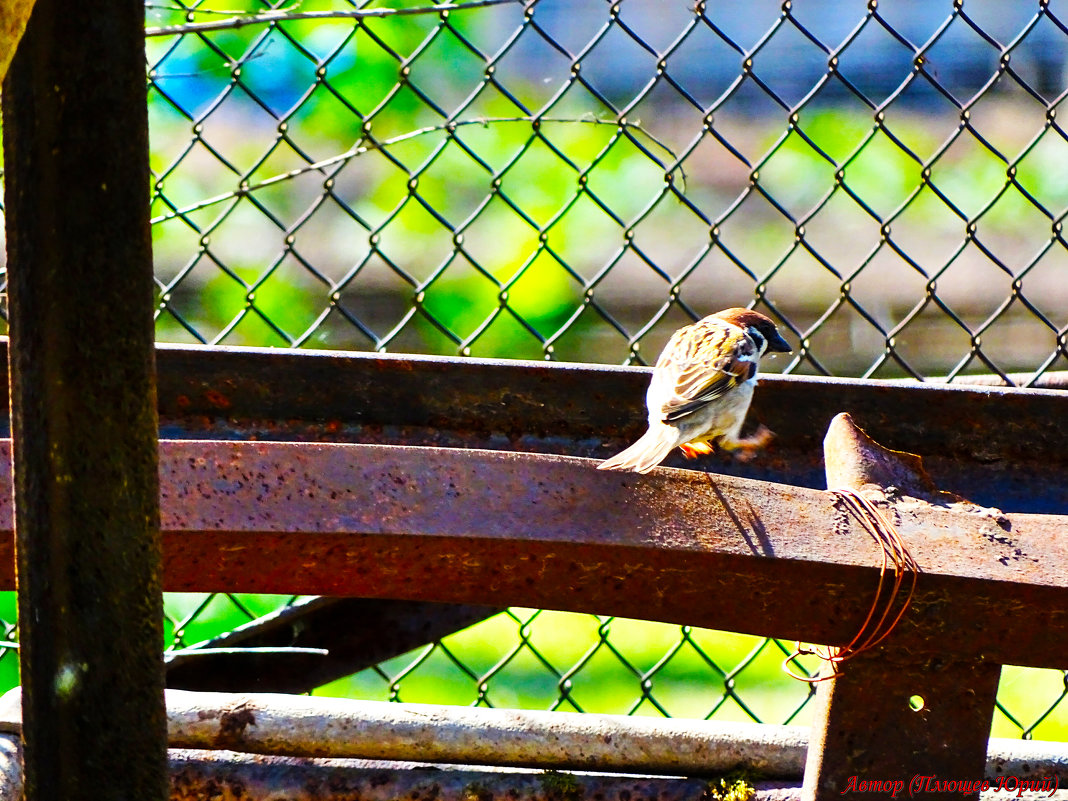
column 758, row 340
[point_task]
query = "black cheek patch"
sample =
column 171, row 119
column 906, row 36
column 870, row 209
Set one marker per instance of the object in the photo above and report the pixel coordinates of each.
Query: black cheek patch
column 752, row 370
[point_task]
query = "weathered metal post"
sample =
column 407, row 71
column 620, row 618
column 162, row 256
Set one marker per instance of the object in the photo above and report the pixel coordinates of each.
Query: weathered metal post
column 901, row 718
column 84, row 404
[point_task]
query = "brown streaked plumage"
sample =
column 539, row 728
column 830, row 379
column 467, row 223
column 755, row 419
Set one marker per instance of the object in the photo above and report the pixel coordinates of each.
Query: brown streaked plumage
column 701, row 388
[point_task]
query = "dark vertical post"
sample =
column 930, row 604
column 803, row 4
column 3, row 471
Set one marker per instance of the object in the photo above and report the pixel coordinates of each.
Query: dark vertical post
column 84, row 404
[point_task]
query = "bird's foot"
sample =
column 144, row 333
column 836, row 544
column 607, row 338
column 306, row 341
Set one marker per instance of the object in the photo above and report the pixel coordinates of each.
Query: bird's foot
column 745, row 449
column 691, row 450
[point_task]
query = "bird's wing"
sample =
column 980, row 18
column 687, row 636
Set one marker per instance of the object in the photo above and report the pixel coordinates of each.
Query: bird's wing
column 702, row 362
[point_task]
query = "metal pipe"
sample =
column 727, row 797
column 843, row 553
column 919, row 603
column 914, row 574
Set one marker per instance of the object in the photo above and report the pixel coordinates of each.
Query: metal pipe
column 84, row 403
column 275, row 746
column 335, row 727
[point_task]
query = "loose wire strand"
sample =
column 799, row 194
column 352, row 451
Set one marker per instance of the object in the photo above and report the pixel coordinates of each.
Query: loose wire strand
column 896, row 557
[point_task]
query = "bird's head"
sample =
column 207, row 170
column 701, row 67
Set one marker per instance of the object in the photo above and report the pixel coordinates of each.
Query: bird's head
column 760, row 328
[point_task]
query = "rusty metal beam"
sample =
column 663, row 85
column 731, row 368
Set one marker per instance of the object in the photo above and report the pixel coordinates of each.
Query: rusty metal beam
column 207, row 774
column 541, row 530
column 83, row 404
column 355, row 633
column 1051, row 379
column 200, row 774
column 1000, row 447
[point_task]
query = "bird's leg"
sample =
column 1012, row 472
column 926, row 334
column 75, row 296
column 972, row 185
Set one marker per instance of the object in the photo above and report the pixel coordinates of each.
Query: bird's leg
column 691, row 450
column 745, row 448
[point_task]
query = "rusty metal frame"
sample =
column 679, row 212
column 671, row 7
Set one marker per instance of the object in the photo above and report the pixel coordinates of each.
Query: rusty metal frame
column 490, row 489
column 489, row 499
column 1000, row 447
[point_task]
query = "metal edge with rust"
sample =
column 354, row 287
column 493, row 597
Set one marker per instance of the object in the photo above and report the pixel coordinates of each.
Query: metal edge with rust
column 1001, row 447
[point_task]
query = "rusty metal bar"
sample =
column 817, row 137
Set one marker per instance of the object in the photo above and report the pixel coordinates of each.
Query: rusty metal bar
column 1000, row 447
column 355, row 633
column 893, row 714
column 205, row 774
column 1051, row 379
column 997, row 446
column 84, row 404
column 198, row 774
column 541, row 530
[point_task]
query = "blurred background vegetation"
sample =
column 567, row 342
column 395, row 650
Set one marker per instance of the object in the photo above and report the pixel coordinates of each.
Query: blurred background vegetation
column 574, row 180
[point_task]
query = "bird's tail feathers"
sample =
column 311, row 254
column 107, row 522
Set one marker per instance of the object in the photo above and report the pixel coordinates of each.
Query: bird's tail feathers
column 645, row 454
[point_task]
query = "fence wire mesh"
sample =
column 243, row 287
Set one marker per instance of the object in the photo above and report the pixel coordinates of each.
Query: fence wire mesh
column 574, row 180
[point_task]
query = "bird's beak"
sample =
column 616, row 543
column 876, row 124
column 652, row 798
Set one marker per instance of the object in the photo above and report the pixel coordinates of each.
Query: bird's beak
column 777, row 343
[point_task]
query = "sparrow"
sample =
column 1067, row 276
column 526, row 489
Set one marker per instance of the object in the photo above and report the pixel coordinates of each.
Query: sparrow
column 701, row 388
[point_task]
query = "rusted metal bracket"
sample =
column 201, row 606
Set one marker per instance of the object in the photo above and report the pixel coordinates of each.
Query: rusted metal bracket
column 895, row 712
column 355, row 633
column 895, row 715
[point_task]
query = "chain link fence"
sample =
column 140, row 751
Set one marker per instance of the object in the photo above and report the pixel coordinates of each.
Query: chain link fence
column 576, row 179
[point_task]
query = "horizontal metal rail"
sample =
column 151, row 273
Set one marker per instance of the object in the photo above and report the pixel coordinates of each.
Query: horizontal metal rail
column 999, row 447
column 337, row 728
column 496, row 528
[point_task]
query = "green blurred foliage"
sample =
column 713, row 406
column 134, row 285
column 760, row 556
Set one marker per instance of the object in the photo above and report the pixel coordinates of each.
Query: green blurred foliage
column 881, row 173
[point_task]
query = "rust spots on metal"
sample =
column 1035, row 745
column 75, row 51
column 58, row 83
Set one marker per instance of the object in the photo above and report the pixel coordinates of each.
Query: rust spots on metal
column 216, row 399
column 241, row 777
column 542, row 530
column 233, row 724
